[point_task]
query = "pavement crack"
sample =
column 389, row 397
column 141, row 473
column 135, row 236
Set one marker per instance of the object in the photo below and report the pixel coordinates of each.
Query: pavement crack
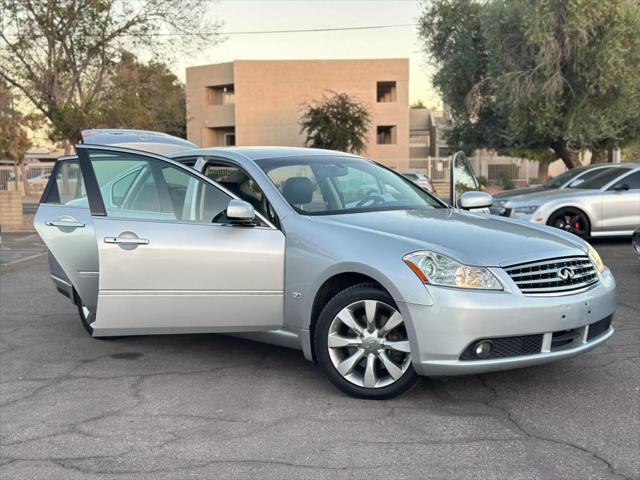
column 491, row 402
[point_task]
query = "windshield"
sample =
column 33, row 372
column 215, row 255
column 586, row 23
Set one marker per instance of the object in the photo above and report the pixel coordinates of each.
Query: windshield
column 333, row 185
column 602, row 179
column 557, row 182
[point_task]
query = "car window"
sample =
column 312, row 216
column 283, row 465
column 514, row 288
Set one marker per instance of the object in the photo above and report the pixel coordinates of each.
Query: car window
column 236, row 180
column 122, row 185
column 281, row 175
column 138, row 187
column 632, row 181
column 602, row 179
column 557, row 182
column 594, row 172
column 67, row 186
column 330, row 185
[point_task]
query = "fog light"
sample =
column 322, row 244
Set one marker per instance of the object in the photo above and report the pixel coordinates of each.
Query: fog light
column 483, row 349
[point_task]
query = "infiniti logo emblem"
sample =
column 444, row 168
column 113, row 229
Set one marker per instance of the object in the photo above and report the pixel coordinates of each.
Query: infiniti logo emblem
column 565, row 273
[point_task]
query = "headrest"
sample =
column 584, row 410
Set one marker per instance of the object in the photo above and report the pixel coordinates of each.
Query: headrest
column 298, row 190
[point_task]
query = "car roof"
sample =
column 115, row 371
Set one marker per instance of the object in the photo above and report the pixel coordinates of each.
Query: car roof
column 262, row 153
column 143, row 140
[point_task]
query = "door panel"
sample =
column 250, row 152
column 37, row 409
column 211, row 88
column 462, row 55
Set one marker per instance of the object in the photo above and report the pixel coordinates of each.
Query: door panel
column 621, row 208
column 620, row 211
column 188, row 278
column 168, row 261
column 64, row 223
column 68, row 234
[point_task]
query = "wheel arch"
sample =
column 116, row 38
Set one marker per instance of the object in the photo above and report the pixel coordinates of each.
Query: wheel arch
column 330, row 287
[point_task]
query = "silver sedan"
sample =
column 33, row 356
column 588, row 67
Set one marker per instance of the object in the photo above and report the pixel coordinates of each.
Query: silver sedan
column 370, row 276
column 607, row 204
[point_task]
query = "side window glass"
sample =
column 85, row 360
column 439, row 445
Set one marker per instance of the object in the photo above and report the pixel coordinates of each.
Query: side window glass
column 632, row 181
column 136, row 187
column 69, row 185
column 295, row 182
column 236, row 180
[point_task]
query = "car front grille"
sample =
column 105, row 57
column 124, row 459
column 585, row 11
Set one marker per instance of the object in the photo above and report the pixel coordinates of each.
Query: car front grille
column 554, row 276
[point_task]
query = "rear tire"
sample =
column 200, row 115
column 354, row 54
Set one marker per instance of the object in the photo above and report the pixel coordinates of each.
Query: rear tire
column 572, row 220
column 361, row 343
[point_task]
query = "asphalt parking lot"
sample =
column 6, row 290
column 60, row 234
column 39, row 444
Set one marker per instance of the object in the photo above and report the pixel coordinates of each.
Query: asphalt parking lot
column 212, row 406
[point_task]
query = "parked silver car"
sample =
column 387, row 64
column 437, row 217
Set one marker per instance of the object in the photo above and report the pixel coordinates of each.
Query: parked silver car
column 370, row 276
column 420, row 179
column 607, row 204
column 572, row 177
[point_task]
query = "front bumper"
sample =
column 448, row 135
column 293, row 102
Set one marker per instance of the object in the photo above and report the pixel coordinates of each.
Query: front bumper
column 440, row 333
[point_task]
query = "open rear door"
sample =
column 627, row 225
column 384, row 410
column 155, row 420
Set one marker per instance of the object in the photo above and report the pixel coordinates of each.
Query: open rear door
column 64, row 223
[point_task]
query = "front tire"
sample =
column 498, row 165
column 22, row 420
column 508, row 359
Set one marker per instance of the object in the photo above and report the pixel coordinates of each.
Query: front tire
column 362, row 345
column 571, row 220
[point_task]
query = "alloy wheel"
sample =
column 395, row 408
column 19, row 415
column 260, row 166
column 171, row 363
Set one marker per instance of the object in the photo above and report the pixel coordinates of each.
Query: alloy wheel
column 368, row 344
column 571, row 222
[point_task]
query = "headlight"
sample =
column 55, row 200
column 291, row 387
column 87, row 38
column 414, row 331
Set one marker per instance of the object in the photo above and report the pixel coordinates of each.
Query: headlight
column 595, row 258
column 437, row 269
column 526, row 210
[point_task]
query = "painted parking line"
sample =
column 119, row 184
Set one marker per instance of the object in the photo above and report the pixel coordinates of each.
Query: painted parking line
column 30, row 257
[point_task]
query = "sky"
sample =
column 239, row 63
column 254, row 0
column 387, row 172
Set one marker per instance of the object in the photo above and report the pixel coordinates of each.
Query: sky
column 252, row 15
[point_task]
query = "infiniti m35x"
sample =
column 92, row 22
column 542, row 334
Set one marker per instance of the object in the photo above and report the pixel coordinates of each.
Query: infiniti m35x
column 369, row 275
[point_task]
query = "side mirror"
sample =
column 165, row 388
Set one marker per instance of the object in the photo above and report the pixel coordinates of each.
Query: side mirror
column 621, row 187
column 239, row 211
column 470, row 200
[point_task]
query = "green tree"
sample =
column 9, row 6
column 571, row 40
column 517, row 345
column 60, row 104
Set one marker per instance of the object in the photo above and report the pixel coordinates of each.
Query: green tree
column 59, row 53
column 145, row 96
column 336, row 122
column 14, row 138
column 537, row 75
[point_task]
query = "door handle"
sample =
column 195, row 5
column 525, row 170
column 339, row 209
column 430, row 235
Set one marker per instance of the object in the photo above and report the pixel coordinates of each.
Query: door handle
column 126, row 240
column 64, row 223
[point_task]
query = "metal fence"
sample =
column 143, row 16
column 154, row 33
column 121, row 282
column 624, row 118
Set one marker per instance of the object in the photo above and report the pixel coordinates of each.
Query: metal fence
column 495, row 168
column 37, row 176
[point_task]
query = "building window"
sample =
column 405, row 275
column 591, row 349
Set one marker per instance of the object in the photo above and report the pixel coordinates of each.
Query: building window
column 386, row 92
column 229, row 139
column 219, row 137
column 386, row 134
column 220, row 95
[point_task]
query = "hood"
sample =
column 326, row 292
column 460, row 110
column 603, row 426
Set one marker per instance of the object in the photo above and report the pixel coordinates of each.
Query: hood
column 542, row 197
column 521, row 191
column 473, row 239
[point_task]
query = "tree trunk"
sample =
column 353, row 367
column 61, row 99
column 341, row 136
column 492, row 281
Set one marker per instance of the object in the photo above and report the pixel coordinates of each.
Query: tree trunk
column 569, row 157
column 23, row 173
column 599, row 156
column 543, row 171
column 67, row 147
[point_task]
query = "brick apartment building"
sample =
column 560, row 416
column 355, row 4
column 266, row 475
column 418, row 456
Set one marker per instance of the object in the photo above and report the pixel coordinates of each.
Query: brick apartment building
column 256, row 102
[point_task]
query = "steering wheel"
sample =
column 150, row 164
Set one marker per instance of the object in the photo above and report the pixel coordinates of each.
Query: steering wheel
column 371, row 196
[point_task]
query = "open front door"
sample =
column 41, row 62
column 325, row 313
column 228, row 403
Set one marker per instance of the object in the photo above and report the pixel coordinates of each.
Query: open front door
column 169, row 261
column 463, row 178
